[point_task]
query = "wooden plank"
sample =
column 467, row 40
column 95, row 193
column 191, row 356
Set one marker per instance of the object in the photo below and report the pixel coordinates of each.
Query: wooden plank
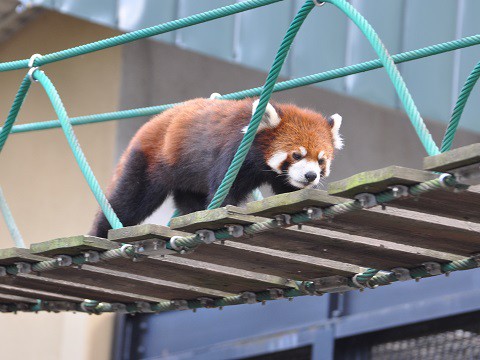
column 11, row 256
column 211, row 219
column 337, row 246
column 64, row 287
column 200, row 274
column 410, row 228
column 291, row 203
column 131, row 234
column 377, row 181
column 74, row 245
column 453, row 159
column 463, row 205
column 37, row 294
column 245, row 254
column 11, row 298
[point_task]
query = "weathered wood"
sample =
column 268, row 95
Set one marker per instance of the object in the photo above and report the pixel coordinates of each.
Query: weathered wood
column 74, row 245
column 37, row 294
column 377, row 181
column 211, row 219
column 200, row 274
column 131, row 234
column 291, row 203
column 410, row 228
column 243, row 255
column 346, row 248
column 453, row 159
column 462, row 205
column 11, row 256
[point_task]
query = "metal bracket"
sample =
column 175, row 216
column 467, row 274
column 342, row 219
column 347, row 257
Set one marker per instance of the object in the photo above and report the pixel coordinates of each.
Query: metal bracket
column 433, row 268
column 357, row 283
column 401, row 274
column 249, row 297
column 180, row 304
column 314, row 213
column 276, row 294
column 215, row 95
column 467, row 175
column 399, row 191
column 318, row 3
column 23, row 267
column 154, row 247
column 332, row 284
column 63, row 260
column 366, row 200
column 118, row 307
column 207, row 302
column 143, row 306
column 283, row 219
column 91, row 256
column 235, row 230
column 206, row 236
column 123, row 250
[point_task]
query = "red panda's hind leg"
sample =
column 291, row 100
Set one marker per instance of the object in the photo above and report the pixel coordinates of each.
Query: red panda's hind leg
column 135, row 196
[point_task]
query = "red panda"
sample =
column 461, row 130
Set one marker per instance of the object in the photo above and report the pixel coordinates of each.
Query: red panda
column 186, row 151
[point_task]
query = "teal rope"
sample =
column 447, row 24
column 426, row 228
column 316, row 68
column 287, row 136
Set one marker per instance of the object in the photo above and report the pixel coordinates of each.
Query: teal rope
column 139, row 34
column 12, row 115
column 393, row 73
column 459, row 107
column 265, row 95
column 282, row 86
column 76, row 149
column 9, row 220
column 175, row 214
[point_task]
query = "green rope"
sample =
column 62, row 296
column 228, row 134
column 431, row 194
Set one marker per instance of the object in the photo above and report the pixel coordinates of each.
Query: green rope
column 459, row 106
column 385, row 58
column 139, row 34
column 282, row 86
column 12, row 115
column 9, row 220
column 392, row 71
column 265, row 95
column 76, row 149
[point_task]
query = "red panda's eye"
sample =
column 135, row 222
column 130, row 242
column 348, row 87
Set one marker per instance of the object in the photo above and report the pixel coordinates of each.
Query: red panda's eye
column 321, row 161
column 296, row 156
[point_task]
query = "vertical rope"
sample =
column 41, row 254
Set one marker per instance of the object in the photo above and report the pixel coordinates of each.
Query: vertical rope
column 12, row 226
column 265, row 95
column 76, row 149
column 459, row 107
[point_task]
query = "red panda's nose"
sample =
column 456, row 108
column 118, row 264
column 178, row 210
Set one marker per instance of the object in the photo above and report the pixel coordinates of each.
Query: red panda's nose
column 310, row 176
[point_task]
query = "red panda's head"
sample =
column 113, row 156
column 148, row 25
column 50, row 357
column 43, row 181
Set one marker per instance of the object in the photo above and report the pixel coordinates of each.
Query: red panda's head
column 299, row 143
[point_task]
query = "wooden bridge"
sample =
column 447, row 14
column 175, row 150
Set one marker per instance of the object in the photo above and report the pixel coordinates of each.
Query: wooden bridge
column 321, row 255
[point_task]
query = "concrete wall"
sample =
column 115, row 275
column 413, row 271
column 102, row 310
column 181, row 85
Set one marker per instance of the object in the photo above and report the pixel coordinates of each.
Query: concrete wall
column 43, row 185
column 375, row 137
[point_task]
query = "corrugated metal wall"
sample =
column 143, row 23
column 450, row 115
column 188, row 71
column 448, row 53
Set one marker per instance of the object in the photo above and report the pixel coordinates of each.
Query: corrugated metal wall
column 327, row 40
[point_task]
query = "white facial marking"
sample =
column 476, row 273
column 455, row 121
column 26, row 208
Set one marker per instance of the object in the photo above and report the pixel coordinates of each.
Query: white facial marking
column 303, row 151
column 337, row 138
column 245, row 129
column 275, row 162
column 270, row 118
column 297, row 171
column 320, row 155
column 328, row 162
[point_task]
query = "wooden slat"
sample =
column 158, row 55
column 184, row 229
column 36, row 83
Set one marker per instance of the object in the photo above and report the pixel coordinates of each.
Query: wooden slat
column 361, row 251
column 37, row 294
column 239, row 255
column 211, row 219
column 453, row 159
column 291, row 203
column 72, row 245
column 408, row 228
column 377, row 181
column 463, row 205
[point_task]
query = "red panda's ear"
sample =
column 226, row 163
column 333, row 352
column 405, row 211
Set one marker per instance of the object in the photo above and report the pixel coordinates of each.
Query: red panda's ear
column 270, row 118
column 335, row 122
